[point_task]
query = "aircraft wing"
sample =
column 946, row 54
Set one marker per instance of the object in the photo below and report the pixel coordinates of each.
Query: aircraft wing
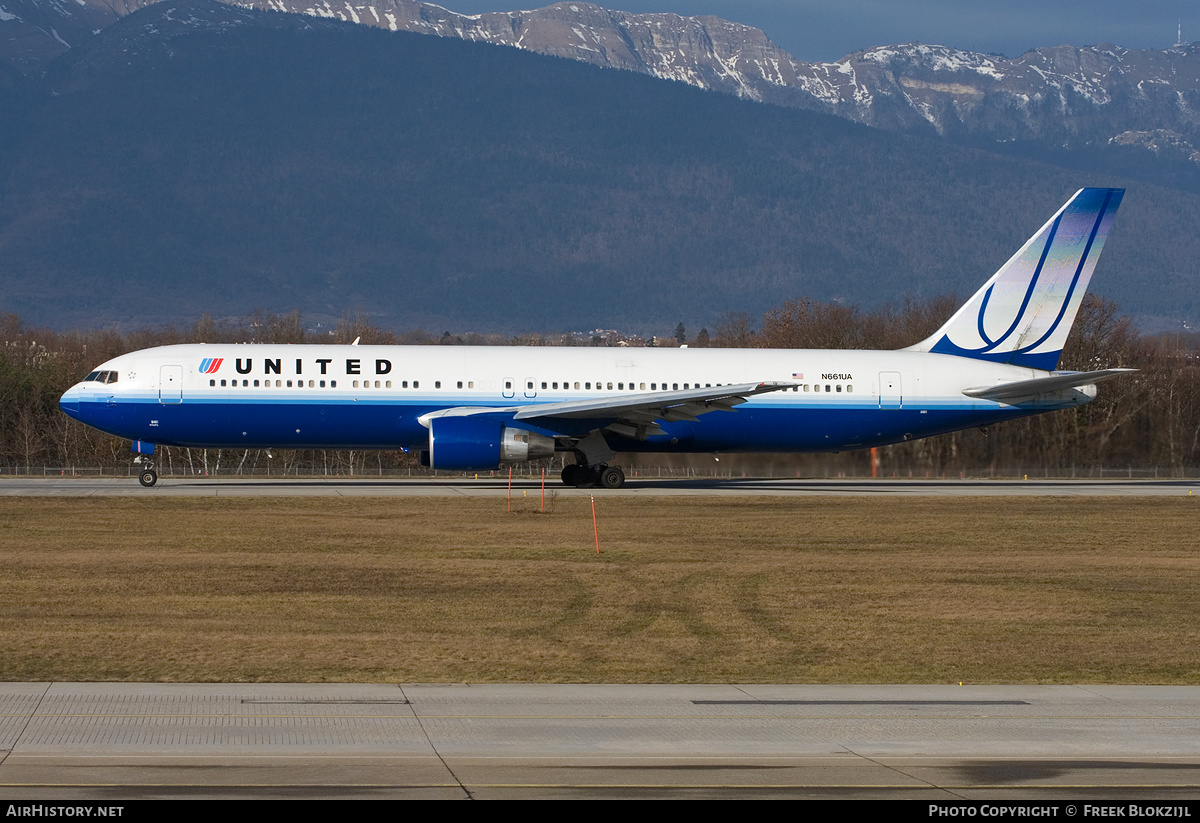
column 645, row 410
column 633, row 415
column 1043, row 385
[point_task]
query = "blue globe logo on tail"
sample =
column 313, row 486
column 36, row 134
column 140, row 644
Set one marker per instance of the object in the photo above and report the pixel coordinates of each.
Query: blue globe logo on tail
column 1023, row 314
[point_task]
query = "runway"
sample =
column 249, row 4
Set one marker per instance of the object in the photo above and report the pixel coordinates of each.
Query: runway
column 469, row 487
column 106, row 742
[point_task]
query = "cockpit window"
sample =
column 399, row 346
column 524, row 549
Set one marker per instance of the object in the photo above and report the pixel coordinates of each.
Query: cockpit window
column 101, row 377
column 93, row 376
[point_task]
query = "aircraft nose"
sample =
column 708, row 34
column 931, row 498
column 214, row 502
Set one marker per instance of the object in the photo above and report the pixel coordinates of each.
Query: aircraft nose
column 69, row 402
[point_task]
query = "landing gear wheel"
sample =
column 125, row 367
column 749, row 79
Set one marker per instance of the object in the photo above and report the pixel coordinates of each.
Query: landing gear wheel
column 148, row 477
column 579, row 477
column 611, row 477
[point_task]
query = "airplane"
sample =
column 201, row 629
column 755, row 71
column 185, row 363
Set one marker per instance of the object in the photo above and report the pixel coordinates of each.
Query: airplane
column 479, row 408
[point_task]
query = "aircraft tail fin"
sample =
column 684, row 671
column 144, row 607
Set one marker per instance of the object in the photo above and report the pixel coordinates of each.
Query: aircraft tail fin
column 1024, row 313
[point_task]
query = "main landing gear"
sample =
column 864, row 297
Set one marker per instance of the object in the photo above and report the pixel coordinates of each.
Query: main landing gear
column 585, row 477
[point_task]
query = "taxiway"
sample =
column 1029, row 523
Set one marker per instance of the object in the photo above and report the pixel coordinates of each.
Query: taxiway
column 107, row 742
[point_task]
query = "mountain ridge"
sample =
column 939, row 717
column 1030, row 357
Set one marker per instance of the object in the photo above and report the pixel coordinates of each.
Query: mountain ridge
column 1051, row 96
column 196, row 157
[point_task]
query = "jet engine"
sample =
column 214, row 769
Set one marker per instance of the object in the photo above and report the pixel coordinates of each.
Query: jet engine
column 477, row 442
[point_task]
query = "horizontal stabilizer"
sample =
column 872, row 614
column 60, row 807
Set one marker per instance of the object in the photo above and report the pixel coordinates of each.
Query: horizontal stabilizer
column 1043, row 385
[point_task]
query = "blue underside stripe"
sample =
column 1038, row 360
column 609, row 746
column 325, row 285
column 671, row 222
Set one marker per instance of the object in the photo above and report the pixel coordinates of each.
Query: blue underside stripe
column 387, row 424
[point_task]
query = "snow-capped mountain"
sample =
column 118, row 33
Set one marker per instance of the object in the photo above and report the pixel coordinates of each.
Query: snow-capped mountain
column 1058, row 96
column 199, row 154
column 1063, row 94
column 33, row 32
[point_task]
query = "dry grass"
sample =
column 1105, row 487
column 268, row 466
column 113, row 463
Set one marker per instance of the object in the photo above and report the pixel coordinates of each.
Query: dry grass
column 832, row 590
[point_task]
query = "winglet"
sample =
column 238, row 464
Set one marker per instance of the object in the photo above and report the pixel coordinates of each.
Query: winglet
column 1024, row 313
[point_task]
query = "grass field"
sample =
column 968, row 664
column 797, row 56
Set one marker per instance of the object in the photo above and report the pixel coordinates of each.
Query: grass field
column 797, row 590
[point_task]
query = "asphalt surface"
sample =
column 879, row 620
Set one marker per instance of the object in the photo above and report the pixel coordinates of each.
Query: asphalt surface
column 466, row 487
column 106, row 742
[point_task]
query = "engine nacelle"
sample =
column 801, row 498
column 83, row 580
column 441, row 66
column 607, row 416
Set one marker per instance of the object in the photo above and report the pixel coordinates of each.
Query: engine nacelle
column 477, row 442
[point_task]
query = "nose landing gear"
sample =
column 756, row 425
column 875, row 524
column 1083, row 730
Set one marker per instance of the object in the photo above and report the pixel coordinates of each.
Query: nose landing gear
column 147, row 476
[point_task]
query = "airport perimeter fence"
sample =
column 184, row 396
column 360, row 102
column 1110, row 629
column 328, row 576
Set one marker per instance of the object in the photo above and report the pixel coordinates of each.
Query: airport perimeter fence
column 527, row 471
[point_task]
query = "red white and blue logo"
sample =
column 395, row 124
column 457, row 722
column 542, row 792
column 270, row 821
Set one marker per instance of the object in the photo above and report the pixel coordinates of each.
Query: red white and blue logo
column 209, row 365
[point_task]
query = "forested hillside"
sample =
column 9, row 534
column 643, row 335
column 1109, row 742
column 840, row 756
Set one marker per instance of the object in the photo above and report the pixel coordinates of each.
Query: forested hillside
column 194, row 158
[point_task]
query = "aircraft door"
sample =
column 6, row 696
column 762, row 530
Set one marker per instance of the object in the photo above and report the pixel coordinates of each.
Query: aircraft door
column 170, row 384
column 510, row 387
column 890, row 394
column 530, row 387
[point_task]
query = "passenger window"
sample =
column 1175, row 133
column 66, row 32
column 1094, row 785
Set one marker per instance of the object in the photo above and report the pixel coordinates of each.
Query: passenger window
column 839, row 388
column 555, row 385
column 222, row 384
column 849, row 389
column 212, row 382
column 289, row 384
column 416, row 384
column 543, row 384
column 333, row 384
column 356, row 384
column 576, row 384
column 620, row 387
column 460, row 384
column 610, row 386
column 470, row 384
column 387, row 384
column 827, row 388
column 256, row 384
